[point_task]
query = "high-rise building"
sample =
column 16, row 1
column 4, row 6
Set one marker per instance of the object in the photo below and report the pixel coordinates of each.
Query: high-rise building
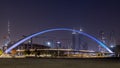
column 7, row 38
column 73, row 40
column 103, row 40
column 79, row 43
column 112, row 41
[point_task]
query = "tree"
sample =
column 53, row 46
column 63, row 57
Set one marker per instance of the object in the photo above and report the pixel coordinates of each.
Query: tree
column 1, row 51
column 27, row 52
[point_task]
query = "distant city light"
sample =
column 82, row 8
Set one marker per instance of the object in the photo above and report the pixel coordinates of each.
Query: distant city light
column 81, row 29
column 58, row 42
column 112, row 46
column 49, row 43
column 29, row 41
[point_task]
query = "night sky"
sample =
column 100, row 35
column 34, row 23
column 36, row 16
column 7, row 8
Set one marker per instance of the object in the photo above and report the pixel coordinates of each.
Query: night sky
column 30, row 16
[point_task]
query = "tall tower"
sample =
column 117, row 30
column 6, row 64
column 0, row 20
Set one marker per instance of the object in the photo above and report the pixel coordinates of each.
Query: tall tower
column 8, row 28
column 7, row 38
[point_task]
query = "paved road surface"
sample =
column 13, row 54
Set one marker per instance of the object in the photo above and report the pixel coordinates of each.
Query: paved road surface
column 59, row 63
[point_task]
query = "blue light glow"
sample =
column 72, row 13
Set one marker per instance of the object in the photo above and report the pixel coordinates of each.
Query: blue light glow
column 57, row 29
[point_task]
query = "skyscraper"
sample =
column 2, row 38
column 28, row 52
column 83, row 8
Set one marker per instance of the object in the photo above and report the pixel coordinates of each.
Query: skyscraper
column 7, row 39
column 112, row 41
column 103, row 40
column 79, row 45
column 73, row 40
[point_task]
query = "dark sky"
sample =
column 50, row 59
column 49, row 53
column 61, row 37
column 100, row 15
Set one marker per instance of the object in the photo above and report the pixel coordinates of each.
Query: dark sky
column 30, row 16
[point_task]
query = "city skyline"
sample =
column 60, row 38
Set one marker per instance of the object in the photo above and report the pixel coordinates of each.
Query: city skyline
column 27, row 17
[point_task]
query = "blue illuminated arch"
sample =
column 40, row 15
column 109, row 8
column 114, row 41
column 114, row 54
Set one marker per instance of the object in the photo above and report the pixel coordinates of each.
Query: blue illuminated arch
column 58, row 29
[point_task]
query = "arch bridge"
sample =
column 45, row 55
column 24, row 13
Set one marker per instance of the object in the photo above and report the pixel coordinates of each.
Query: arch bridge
column 57, row 29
